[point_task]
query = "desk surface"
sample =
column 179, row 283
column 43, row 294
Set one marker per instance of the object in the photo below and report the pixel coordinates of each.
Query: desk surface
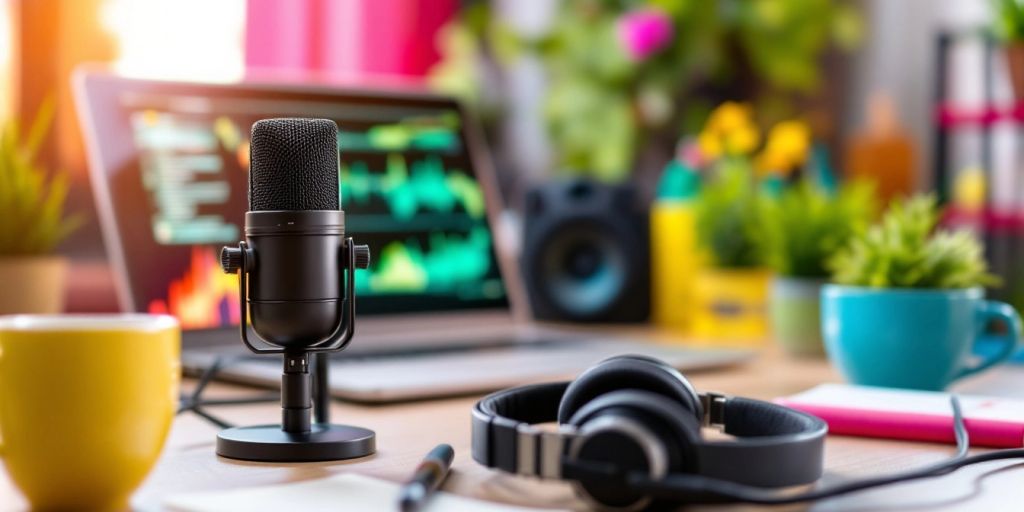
column 407, row 431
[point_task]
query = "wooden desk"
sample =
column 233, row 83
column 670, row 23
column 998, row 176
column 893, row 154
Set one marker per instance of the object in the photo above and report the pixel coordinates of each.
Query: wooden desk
column 406, row 432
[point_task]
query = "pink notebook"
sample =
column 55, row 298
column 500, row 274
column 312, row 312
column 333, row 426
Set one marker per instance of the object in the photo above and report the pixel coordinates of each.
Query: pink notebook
column 914, row 415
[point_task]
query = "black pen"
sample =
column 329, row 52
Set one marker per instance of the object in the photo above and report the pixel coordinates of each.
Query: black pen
column 429, row 476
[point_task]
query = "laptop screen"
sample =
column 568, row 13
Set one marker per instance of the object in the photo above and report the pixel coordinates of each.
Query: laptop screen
column 173, row 171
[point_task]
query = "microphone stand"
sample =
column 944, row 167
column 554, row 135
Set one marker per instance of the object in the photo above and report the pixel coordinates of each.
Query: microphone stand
column 322, row 388
column 296, row 394
column 296, row 391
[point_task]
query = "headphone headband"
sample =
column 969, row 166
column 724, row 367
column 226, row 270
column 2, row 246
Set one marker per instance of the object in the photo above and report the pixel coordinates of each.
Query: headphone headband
column 775, row 446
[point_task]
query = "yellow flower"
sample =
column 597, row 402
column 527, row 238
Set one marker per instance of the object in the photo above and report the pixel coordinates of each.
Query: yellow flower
column 743, row 140
column 788, row 145
column 730, row 129
column 772, row 163
column 710, row 145
column 730, row 116
column 791, row 138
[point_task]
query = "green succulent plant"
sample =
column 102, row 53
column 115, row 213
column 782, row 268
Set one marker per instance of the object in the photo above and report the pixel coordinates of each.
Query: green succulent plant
column 807, row 225
column 727, row 216
column 32, row 219
column 904, row 250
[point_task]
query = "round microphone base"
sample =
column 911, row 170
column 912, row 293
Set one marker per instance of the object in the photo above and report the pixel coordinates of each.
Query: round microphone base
column 268, row 443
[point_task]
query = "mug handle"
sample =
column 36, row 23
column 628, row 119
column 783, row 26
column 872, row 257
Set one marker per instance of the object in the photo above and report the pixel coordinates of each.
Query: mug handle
column 988, row 310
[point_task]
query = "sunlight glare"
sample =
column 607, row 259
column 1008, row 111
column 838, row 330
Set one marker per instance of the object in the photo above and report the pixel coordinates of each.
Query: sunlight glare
column 178, row 39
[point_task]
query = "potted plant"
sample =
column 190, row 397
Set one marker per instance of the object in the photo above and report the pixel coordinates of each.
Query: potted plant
column 731, row 287
column 908, row 303
column 33, row 221
column 803, row 228
column 1008, row 27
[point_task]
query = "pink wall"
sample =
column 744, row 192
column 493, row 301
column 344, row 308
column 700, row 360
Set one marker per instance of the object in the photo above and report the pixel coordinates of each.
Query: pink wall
column 345, row 37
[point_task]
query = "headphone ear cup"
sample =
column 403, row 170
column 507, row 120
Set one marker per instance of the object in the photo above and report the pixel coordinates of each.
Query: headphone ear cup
column 676, row 428
column 635, row 431
column 629, row 372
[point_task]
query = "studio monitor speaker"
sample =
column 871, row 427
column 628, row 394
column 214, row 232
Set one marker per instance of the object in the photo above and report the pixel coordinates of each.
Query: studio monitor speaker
column 586, row 253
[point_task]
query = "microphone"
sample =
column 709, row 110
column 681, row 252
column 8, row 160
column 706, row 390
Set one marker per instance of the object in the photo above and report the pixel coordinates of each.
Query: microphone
column 296, row 274
column 295, row 229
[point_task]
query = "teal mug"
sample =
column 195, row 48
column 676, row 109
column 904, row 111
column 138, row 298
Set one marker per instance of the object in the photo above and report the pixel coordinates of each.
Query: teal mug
column 911, row 338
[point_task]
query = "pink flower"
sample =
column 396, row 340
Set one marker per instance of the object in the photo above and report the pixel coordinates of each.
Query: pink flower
column 644, row 32
column 689, row 153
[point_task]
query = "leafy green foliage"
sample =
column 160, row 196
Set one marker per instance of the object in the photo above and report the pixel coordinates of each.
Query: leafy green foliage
column 905, row 251
column 32, row 219
column 807, row 225
column 1008, row 19
column 727, row 216
column 604, row 109
column 784, row 38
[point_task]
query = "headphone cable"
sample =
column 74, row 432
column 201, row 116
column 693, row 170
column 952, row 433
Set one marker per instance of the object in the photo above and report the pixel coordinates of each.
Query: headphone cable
column 698, row 489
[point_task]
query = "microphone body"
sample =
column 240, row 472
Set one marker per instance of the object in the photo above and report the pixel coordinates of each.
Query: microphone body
column 295, row 281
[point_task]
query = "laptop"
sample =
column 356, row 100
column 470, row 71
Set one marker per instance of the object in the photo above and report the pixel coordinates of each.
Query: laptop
column 440, row 310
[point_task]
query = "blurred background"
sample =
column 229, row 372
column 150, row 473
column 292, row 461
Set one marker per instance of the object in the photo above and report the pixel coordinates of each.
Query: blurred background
column 914, row 95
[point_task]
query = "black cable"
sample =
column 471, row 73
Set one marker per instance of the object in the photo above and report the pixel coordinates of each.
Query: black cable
column 206, row 377
column 697, row 489
column 211, row 418
column 195, row 403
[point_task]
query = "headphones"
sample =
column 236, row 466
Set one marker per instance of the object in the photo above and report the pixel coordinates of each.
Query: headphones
column 629, row 438
column 633, row 420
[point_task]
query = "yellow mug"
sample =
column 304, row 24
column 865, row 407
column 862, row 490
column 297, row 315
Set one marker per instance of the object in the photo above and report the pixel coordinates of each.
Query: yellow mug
column 86, row 402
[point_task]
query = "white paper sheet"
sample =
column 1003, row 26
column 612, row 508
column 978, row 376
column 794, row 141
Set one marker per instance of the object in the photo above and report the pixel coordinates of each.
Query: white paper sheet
column 340, row 493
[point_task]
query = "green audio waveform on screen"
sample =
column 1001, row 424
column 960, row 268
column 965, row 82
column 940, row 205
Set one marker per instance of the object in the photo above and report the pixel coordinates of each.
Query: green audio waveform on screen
column 426, row 186
column 441, row 265
column 428, row 133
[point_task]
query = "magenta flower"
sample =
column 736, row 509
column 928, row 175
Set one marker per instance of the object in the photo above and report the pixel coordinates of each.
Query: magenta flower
column 644, row 32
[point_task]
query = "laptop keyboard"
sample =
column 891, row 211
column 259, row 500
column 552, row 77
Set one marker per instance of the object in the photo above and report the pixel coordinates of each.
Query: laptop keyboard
column 200, row 358
column 448, row 371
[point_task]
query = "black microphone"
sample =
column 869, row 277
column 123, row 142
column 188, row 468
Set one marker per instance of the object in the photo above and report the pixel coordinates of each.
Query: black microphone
column 296, row 231
column 296, row 274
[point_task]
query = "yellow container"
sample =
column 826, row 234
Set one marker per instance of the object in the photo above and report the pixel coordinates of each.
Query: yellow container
column 674, row 263
column 86, row 402
column 731, row 306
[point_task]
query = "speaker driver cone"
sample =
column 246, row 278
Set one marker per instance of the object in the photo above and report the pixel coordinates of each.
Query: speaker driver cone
column 585, row 272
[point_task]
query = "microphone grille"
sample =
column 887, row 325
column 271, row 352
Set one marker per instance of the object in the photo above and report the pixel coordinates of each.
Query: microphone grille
column 293, row 165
